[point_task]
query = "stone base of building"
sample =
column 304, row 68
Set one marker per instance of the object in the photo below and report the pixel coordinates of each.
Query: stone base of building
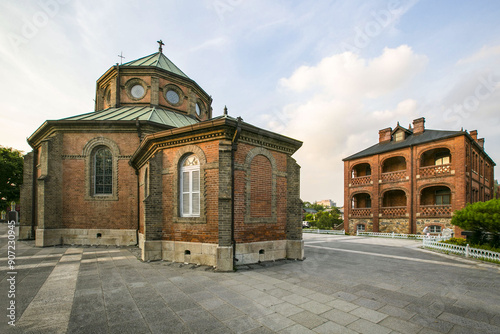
column 25, row 233
column 353, row 223
column 443, row 222
column 70, row 236
column 220, row 257
column 396, row 225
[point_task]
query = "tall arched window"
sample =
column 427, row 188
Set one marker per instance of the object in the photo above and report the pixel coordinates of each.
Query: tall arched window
column 103, row 171
column 190, row 187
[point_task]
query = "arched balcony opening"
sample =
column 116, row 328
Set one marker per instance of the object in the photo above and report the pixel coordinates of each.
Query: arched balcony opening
column 394, row 169
column 361, row 205
column 435, row 201
column 435, row 162
column 394, row 203
column 361, row 174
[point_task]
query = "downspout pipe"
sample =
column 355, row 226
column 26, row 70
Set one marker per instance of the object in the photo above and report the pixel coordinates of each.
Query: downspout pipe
column 34, row 193
column 234, row 148
column 139, row 134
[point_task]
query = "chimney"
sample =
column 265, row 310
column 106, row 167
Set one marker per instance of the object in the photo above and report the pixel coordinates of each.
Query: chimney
column 481, row 142
column 418, row 126
column 384, row 135
column 473, row 134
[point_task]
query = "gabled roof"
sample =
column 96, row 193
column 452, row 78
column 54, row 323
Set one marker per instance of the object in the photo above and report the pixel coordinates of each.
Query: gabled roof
column 159, row 60
column 411, row 140
column 144, row 113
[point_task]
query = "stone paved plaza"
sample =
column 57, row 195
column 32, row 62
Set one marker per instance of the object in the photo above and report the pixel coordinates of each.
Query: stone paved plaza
column 346, row 285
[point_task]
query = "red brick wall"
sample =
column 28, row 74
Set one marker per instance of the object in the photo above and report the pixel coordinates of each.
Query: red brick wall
column 260, row 187
column 79, row 212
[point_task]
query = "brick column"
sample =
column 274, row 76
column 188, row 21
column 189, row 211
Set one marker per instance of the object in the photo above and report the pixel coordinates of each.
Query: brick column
column 153, row 211
column 295, row 244
column 225, row 247
column 50, row 192
column 26, row 219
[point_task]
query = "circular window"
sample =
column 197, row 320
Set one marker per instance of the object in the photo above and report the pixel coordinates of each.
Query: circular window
column 172, row 96
column 198, row 109
column 137, row 91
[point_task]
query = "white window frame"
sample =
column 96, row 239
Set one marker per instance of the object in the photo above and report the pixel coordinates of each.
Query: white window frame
column 189, row 170
column 435, row 229
column 362, row 229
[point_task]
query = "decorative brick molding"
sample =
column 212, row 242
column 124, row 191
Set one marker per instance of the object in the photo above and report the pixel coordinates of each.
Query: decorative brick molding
column 248, row 161
column 88, row 151
column 175, row 167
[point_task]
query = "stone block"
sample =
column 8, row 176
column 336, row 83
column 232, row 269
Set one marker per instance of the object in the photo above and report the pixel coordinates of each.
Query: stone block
column 224, row 259
column 295, row 249
column 209, row 249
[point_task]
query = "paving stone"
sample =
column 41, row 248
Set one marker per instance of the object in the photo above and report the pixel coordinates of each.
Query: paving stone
column 295, row 299
column 465, row 322
column 368, row 314
column 307, row 319
column 345, row 296
column 364, row 326
column 340, row 317
column 400, row 325
column 368, row 303
column 397, row 312
column 315, row 307
column 330, row 327
column 242, row 324
column 275, row 322
column 342, row 305
column 226, row 312
column 137, row 326
column 432, row 323
column 286, row 309
column 296, row 329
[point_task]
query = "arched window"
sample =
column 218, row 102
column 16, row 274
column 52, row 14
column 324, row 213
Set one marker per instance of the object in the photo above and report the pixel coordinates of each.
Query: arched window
column 360, row 227
column 103, row 171
column 190, row 187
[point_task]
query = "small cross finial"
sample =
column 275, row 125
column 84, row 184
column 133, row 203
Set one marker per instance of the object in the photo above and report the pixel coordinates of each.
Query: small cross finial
column 121, row 56
column 225, row 111
column 161, row 44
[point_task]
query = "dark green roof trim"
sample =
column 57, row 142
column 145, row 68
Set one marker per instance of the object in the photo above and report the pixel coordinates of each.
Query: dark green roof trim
column 158, row 60
column 142, row 113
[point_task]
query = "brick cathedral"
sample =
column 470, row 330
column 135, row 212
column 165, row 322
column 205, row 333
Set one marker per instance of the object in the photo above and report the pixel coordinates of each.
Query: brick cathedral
column 151, row 166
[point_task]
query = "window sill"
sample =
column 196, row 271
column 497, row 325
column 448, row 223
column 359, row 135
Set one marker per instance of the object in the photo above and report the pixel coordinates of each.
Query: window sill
column 98, row 198
column 190, row 220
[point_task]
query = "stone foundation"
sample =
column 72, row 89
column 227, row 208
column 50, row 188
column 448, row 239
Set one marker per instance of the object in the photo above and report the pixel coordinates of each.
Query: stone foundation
column 443, row 222
column 70, row 236
column 396, row 225
column 220, row 257
column 355, row 221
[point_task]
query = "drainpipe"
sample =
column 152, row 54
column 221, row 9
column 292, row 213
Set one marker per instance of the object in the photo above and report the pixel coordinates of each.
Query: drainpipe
column 138, row 207
column 413, row 230
column 234, row 148
column 33, row 193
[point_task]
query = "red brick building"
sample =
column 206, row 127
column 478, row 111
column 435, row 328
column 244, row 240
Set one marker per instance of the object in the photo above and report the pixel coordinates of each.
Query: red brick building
column 413, row 178
column 151, row 166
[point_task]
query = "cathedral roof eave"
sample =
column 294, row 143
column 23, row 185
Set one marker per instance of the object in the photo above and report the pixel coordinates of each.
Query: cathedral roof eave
column 49, row 127
column 220, row 127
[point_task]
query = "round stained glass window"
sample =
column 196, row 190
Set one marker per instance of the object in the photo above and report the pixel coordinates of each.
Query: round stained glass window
column 172, row 97
column 137, row 91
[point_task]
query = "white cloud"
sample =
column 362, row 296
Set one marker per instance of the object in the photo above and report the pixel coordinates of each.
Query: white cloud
column 335, row 121
column 349, row 75
column 484, row 53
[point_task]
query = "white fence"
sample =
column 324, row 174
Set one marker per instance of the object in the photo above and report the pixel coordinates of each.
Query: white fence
column 404, row 236
column 338, row 232
column 462, row 250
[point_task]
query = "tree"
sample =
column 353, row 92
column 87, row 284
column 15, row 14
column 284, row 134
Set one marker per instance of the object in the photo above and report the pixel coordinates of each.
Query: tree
column 11, row 175
column 327, row 219
column 481, row 218
column 315, row 206
column 495, row 190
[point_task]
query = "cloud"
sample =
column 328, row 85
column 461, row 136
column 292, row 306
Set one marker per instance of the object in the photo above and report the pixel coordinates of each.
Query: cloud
column 349, row 75
column 336, row 121
column 484, row 53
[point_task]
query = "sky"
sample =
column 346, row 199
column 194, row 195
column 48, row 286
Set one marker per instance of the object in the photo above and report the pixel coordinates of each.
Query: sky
column 328, row 73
